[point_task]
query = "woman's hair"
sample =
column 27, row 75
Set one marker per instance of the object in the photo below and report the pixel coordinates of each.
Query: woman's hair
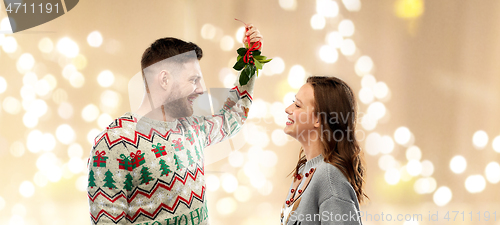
column 335, row 105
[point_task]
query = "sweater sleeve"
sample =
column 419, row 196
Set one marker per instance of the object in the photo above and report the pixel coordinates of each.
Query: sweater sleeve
column 340, row 202
column 336, row 211
column 105, row 190
column 230, row 118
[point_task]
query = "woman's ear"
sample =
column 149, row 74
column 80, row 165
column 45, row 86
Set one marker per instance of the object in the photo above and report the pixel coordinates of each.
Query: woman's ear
column 316, row 119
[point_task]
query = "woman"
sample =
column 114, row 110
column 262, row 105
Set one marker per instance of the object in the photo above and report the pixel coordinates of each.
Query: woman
column 328, row 179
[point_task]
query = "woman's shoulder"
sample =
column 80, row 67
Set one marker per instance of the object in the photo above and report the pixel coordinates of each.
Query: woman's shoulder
column 333, row 183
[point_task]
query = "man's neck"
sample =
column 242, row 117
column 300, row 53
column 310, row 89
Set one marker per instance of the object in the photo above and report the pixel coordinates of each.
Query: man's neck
column 156, row 114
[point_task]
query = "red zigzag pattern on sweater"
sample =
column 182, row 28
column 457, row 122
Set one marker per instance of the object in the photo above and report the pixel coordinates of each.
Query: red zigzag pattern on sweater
column 136, row 134
column 154, row 189
column 242, row 93
column 177, row 178
column 152, row 215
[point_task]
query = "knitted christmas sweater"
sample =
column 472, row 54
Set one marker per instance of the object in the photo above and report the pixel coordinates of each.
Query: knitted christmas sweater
column 321, row 194
column 148, row 172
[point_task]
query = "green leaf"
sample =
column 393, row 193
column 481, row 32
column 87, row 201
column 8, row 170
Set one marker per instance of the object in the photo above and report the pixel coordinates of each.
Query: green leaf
column 239, row 57
column 244, row 76
column 241, row 51
column 258, row 64
column 265, row 61
column 239, row 65
column 260, row 57
column 248, row 69
column 252, row 71
column 256, row 53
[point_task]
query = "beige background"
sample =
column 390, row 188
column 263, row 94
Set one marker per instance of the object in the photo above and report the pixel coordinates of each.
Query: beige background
column 440, row 66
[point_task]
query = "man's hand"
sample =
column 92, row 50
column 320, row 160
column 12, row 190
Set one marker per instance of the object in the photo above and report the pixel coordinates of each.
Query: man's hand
column 254, row 35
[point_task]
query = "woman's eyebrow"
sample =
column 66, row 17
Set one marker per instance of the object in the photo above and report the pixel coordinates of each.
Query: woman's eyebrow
column 298, row 99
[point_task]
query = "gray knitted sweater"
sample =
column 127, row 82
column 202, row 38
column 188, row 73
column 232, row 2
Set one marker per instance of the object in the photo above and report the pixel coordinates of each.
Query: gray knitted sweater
column 323, row 195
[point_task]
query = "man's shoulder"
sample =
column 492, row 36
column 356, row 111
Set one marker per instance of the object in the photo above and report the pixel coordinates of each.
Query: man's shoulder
column 117, row 129
column 125, row 118
column 123, row 123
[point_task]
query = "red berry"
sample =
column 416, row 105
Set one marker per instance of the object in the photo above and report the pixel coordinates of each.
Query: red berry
column 300, row 191
column 292, row 190
column 287, row 202
column 307, row 174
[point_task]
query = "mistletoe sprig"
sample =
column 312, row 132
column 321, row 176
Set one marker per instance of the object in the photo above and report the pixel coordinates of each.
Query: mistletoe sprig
column 249, row 60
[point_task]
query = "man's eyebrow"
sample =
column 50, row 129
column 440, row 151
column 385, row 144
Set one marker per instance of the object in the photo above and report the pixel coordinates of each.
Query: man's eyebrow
column 195, row 76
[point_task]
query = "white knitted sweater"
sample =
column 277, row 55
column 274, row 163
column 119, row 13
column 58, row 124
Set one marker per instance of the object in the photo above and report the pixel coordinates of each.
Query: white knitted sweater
column 148, row 172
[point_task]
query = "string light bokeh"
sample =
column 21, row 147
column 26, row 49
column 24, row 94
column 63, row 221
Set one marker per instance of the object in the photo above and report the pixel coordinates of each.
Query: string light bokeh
column 427, row 100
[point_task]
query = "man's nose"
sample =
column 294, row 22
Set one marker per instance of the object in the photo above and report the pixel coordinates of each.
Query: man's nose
column 199, row 88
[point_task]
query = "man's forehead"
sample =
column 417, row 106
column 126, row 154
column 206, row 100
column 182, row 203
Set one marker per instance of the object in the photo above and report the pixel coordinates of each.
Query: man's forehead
column 192, row 67
column 193, row 64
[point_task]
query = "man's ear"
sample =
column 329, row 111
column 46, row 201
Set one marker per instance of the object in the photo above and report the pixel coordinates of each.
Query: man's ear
column 164, row 79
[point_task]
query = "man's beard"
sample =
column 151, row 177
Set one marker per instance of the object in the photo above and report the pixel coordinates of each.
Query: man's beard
column 179, row 108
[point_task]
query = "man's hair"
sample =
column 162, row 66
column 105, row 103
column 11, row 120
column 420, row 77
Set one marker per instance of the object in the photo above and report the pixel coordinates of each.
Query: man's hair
column 168, row 47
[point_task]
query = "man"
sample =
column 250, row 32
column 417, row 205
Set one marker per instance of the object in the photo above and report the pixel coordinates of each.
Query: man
column 147, row 167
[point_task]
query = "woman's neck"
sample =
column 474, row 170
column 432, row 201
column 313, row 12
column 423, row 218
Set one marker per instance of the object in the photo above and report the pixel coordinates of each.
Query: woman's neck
column 312, row 148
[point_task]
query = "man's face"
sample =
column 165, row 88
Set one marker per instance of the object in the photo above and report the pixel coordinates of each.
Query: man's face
column 186, row 88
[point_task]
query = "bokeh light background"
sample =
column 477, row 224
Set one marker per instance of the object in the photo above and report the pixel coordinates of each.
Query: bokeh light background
column 425, row 74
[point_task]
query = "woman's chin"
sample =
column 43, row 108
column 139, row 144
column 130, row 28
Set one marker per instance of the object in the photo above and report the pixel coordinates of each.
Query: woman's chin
column 288, row 131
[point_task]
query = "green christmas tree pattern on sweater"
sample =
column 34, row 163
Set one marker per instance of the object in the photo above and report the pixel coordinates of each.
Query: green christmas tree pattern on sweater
column 91, row 179
column 145, row 175
column 190, row 137
column 197, row 153
column 164, row 168
column 178, row 162
column 109, row 180
column 128, row 182
column 190, row 158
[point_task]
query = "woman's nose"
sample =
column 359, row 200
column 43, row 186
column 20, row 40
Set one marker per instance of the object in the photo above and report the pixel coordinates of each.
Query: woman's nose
column 287, row 110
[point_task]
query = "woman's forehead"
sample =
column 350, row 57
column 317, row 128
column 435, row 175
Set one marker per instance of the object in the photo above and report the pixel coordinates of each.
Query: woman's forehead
column 306, row 94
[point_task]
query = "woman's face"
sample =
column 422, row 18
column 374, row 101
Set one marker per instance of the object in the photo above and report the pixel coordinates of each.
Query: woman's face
column 301, row 119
